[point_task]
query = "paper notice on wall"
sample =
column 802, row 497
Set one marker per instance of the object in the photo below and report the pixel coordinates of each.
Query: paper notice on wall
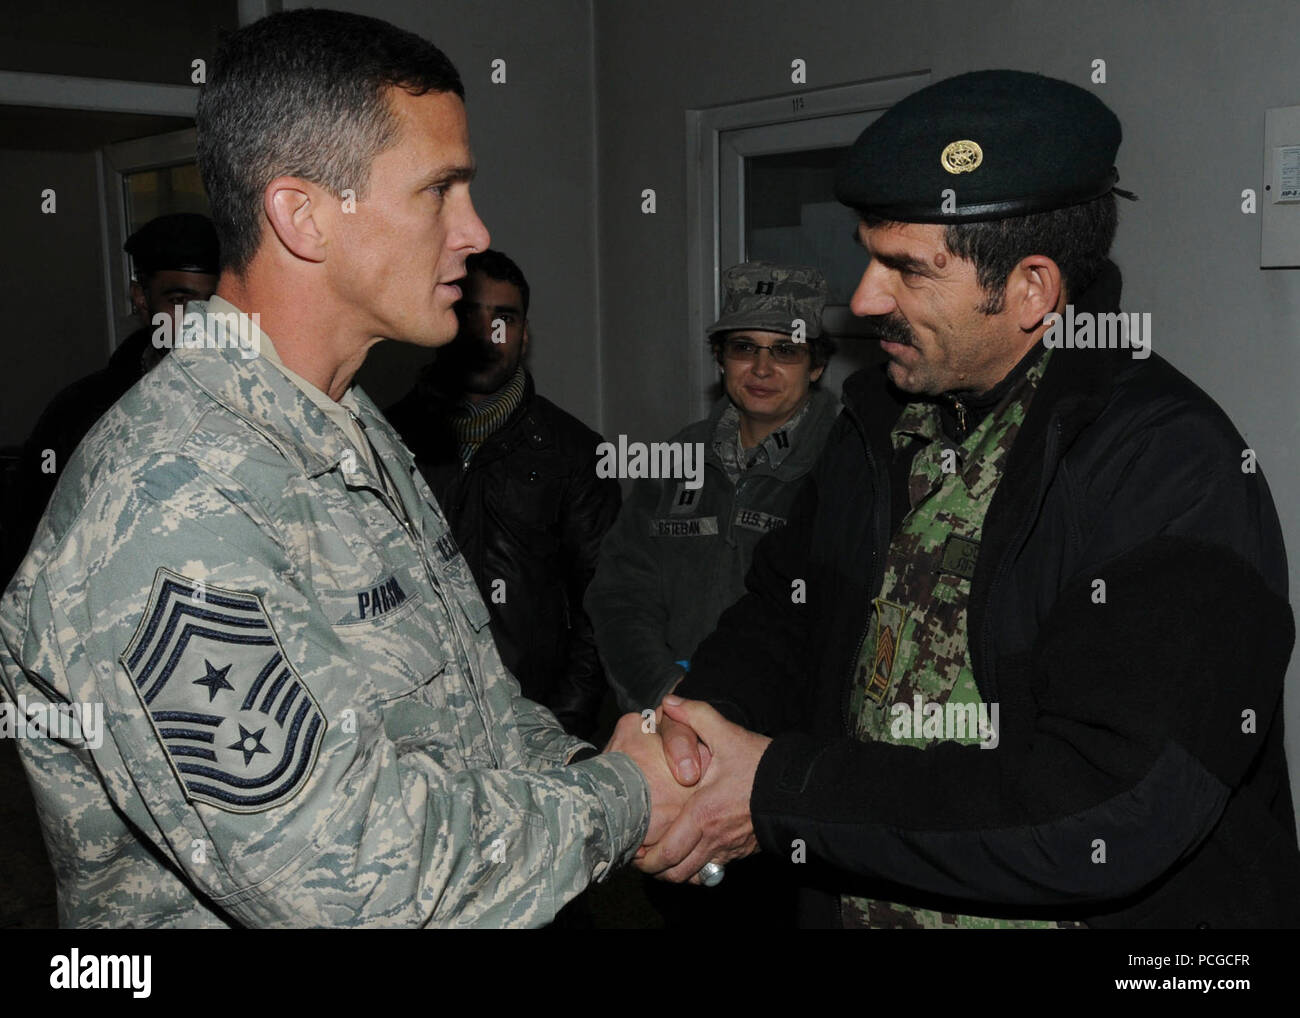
column 1288, row 173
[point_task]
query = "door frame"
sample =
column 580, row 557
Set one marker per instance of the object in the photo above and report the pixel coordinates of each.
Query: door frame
column 115, row 163
column 112, row 95
column 102, row 95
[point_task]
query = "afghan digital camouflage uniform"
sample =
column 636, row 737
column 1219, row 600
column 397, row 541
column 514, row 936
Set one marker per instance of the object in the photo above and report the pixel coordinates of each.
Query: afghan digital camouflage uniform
column 307, row 721
column 917, row 655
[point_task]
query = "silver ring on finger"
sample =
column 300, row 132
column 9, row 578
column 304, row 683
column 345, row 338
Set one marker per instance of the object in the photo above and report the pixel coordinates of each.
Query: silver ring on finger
column 711, row 874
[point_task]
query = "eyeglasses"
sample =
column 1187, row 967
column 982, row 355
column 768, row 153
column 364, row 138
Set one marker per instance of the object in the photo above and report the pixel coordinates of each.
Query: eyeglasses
column 784, row 352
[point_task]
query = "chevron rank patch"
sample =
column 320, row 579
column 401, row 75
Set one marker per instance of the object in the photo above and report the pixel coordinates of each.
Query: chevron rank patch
column 889, row 629
column 239, row 727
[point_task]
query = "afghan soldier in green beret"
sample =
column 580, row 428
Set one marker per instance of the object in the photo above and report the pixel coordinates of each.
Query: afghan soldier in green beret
column 1037, row 676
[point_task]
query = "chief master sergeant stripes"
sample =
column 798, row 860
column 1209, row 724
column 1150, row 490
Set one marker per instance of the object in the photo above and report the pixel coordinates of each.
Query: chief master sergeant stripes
column 307, row 721
column 180, row 616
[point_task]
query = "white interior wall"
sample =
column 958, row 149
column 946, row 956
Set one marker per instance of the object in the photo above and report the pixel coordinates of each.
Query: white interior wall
column 533, row 139
column 53, row 280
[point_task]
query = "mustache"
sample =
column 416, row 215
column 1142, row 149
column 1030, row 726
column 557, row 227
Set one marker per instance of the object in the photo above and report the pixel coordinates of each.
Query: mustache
column 892, row 328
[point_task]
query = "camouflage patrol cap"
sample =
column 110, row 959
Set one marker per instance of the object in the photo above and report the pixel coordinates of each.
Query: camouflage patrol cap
column 981, row 146
column 182, row 242
column 769, row 297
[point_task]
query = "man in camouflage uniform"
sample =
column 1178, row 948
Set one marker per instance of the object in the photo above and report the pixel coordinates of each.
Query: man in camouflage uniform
column 916, row 655
column 306, row 721
column 1070, row 543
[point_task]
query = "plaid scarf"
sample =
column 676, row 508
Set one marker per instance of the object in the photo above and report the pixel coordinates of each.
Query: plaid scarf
column 474, row 422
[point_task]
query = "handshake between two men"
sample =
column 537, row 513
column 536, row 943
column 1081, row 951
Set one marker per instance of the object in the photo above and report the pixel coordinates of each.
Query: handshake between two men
column 700, row 769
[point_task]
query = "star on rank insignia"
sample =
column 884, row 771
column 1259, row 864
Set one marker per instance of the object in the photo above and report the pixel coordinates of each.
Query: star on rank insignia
column 240, row 728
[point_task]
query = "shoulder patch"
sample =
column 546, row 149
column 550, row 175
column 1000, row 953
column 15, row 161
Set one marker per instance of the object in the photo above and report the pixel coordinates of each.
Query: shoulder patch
column 239, row 726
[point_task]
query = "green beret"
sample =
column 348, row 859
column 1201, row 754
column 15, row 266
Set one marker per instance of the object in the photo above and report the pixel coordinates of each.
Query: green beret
column 1007, row 143
column 182, row 242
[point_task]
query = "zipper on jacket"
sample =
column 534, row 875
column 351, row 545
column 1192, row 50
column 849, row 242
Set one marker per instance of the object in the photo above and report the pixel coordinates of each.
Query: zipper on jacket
column 407, row 524
column 963, row 423
column 468, row 670
column 874, row 586
column 985, row 636
column 876, row 559
column 389, row 499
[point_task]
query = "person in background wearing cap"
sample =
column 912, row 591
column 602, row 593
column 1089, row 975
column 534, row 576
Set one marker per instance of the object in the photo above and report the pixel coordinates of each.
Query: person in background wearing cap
column 677, row 557
column 1060, row 541
column 176, row 259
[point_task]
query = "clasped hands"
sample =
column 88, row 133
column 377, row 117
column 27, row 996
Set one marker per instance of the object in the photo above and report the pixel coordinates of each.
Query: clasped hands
column 700, row 768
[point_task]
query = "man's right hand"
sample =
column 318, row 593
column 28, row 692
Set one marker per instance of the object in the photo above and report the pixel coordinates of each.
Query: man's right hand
column 640, row 741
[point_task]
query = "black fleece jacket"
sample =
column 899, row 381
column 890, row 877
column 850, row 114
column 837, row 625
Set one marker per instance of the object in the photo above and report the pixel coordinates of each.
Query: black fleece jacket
column 1139, row 779
column 530, row 511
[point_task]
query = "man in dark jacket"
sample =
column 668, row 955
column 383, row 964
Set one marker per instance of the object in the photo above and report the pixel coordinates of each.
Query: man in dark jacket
column 1028, row 526
column 516, row 476
column 175, row 258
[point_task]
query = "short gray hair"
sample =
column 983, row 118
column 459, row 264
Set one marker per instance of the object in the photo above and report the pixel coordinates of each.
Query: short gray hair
column 303, row 94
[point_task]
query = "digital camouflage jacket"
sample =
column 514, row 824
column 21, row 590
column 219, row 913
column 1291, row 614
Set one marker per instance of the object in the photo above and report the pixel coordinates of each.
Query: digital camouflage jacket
column 306, row 722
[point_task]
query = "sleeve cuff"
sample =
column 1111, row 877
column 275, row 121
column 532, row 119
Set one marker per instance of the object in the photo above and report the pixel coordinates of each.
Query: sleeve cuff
column 781, row 784
column 624, row 795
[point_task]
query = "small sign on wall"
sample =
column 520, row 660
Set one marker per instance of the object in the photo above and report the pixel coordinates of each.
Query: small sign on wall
column 1288, row 175
column 1280, row 208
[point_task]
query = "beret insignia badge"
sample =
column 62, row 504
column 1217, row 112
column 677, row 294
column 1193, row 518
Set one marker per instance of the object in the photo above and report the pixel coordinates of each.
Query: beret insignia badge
column 961, row 156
